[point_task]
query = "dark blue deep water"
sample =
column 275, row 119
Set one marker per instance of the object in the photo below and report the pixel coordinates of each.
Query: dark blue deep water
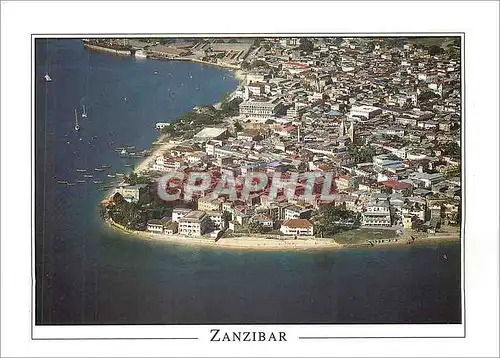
column 89, row 274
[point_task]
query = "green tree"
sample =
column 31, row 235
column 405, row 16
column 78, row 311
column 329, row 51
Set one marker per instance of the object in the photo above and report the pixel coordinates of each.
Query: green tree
column 238, row 127
column 245, row 65
column 319, row 228
column 118, row 199
column 134, row 179
column 435, row 50
column 226, row 217
column 225, row 97
column 330, row 217
column 427, row 95
column 306, row 45
column 259, row 63
column 452, row 149
column 231, row 108
column 255, row 228
column 362, row 154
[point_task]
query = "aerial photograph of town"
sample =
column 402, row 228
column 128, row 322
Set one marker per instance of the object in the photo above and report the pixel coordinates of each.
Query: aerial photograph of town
column 248, row 180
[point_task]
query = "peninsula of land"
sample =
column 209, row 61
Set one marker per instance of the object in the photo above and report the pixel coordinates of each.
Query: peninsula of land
column 376, row 121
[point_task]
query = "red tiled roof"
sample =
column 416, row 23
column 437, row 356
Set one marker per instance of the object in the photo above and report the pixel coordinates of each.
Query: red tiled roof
column 398, row 185
column 297, row 223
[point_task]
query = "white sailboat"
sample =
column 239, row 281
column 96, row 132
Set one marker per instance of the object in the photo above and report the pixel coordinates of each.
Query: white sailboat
column 77, row 127
column 84, row 113
column 47, row 55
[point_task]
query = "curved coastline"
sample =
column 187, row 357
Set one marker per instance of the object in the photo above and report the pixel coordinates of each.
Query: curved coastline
column 244, row 243
column 255, row 243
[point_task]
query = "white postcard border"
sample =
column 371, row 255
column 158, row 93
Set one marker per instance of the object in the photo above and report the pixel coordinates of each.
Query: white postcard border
column 26, row 19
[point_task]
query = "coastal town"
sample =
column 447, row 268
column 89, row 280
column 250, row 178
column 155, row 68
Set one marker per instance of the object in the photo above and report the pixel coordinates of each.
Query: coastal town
column 325, row 142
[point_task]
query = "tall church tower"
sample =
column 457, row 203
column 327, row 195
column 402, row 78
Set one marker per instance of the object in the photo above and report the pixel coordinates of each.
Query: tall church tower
column 317, row 84
column 342, row 129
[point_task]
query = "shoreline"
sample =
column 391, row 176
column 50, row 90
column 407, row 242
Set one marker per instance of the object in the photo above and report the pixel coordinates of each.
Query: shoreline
column 239, row 75
column 256, row 243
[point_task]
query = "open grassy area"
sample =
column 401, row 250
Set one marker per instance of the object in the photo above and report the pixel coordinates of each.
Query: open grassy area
column 360, row 236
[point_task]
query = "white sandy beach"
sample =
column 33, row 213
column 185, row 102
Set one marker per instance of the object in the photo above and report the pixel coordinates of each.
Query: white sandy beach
column 146, row 163
column 265, row 244
column 241, row 243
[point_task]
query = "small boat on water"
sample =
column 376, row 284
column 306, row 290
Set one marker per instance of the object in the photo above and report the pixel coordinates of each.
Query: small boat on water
column 70, row 184
column 62, row 182
column 84, row 113
column 111, row 176
column 127, row 165
column 99, row 169
column 106, row 166
column 81, row 170
column 140, row 54
column 98, row 182
column 77, row 127
column 88, row 175
column 81, row 181
column 120, row 174
column 47, row 78
column 131, row 147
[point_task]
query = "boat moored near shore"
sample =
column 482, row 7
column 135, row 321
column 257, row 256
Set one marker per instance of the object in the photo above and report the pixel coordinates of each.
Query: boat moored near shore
column 140, row 54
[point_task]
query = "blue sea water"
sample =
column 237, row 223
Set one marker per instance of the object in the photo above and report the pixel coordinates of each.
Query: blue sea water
column 89, row 274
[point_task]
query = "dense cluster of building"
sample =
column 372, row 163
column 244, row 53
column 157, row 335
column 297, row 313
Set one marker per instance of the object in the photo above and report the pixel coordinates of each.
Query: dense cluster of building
column 319, row 110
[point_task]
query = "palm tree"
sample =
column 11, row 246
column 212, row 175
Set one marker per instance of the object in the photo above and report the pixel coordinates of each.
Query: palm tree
column 226, row 217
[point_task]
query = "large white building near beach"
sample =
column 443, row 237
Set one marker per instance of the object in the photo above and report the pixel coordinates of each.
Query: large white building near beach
column 253, row 108
column 195, row 223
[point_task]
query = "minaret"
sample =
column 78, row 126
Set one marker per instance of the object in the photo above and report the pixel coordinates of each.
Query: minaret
column 351, row 132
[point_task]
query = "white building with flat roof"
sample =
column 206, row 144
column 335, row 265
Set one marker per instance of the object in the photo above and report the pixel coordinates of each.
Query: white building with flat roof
column 367, row 112
column 179, row 213
column 376, row 214
column 195, row 223
column 260, row 108
column 207, row 134
column 131, row 193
